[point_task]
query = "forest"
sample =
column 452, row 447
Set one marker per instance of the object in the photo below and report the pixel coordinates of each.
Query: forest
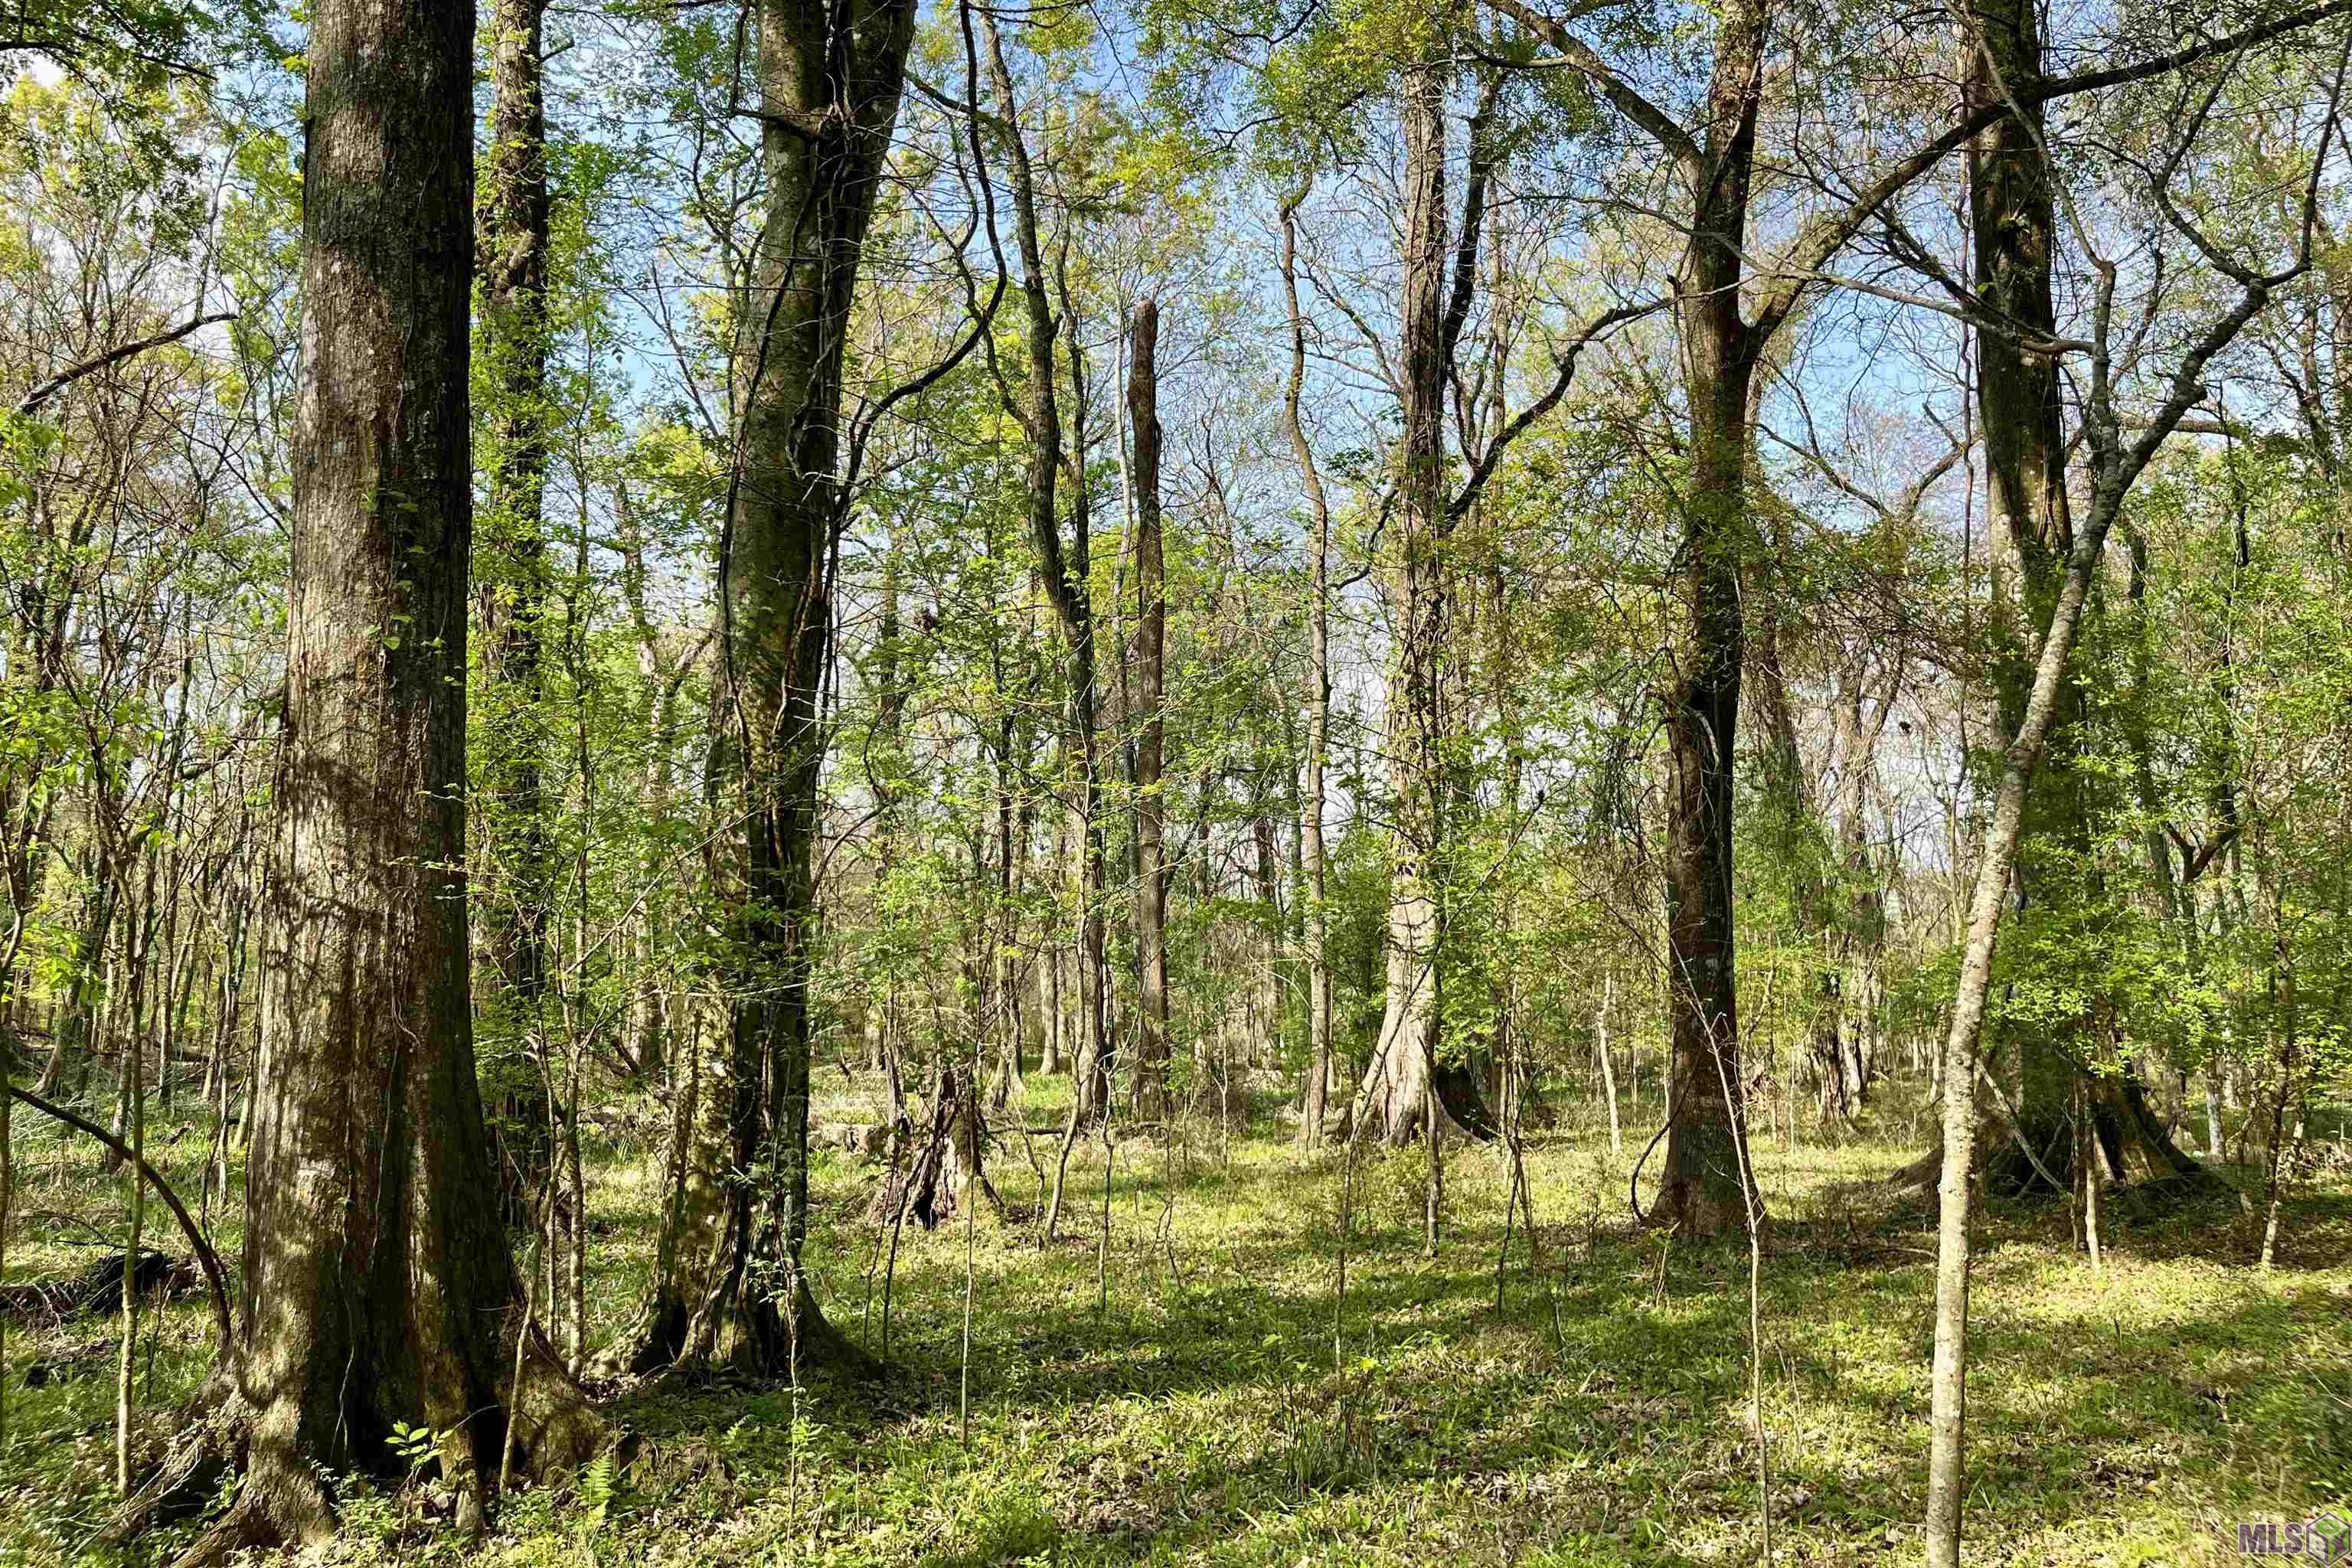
column 1224, row 782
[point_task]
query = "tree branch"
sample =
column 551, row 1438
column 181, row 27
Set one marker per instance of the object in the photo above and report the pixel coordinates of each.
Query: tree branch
column 206, row 1258
column 58, row 382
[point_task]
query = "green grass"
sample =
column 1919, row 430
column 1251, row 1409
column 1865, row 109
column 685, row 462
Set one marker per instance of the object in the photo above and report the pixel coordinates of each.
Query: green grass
column 1189, row 1394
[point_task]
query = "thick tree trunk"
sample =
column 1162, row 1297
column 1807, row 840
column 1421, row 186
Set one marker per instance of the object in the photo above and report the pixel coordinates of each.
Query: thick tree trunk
column 1150, row 657
column 378, row 1284
column 2014, row 226
column 1407, row 1074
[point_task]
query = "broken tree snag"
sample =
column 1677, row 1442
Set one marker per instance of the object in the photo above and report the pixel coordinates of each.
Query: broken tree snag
column 948, row 1167
column 2028, row 1143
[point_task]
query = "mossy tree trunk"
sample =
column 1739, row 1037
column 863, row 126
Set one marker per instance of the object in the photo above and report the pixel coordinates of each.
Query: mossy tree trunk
column 830, row 80
column 379, row 1288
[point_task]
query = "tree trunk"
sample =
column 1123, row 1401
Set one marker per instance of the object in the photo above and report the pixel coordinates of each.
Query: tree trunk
column 1313, row 1108
column 825, row 135
column 378, row 1284
column 1947, row 1388
column 1608, row 1069
column 2014, row 221
column 511, row 589
column 947, row 1171
column 1066, row 577
column 1151, row 640
column 1704, row 1189
column 1408, row 1075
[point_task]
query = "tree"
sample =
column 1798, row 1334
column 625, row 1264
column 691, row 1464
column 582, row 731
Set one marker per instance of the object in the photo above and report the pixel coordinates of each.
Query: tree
column 1151, row 662
column 2015, row 180
column 511, row 575
column 1066, row 571
column 731, row 1282
column 379, row 1288
column 1314, row 893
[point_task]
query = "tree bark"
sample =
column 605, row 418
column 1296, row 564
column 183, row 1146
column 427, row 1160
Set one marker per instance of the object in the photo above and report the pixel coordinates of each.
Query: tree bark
column 511, row 589
column 830, row 80
column 1408, row 1076
column 1704, row 1189
column 1151, row 647
column 378, row 1283
column 1315, row 920
column 1066, row 578
column 1947, row 1388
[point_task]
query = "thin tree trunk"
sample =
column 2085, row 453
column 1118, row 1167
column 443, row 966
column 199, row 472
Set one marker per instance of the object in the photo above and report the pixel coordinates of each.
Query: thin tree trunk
column 1318, row 703
column 1065, row 575
column 136, row 1087
column 1608, row 1071
column 1947, row 1388
column 1151, row 640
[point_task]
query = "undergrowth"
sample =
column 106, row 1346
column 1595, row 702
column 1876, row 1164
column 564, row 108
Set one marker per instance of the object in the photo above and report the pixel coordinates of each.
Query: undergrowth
column 1196, row 1391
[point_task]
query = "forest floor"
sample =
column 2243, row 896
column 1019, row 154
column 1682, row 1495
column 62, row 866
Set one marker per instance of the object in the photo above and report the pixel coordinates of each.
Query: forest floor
column 1193, row 1390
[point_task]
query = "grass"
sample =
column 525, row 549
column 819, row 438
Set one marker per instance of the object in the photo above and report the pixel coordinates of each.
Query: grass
column 1192, row 1395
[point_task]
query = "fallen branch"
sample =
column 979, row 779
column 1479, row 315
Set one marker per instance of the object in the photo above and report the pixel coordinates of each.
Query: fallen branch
column 206, row 1258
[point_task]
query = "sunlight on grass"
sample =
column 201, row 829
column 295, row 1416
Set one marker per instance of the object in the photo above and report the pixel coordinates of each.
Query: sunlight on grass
column 1189, row 1394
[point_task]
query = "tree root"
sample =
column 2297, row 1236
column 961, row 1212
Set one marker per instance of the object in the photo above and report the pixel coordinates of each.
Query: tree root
column 284, row 1501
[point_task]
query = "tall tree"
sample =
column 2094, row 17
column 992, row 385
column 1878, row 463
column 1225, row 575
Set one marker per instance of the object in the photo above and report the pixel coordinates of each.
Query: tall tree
column 1410, row 1078
column 730, row 1283
column 1312, row 893
column 1728, row 316
column 379, row 1288
column 1066, row 574
column 1151, row 738
column 2013, row 180
column 510, row 578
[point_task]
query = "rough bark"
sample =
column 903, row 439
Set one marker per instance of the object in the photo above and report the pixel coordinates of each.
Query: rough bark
column 829, row 79
column 1407, row 1074
column 1704, row 1189
column 511, row 589
column 378, row 1284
